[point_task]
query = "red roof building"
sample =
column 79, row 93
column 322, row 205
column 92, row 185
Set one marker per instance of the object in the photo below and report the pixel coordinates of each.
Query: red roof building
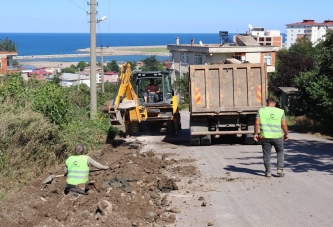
column 6, row 62
column 310, row 29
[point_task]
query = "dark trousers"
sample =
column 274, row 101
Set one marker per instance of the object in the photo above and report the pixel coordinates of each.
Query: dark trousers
column 267, row 151
column 75, row 189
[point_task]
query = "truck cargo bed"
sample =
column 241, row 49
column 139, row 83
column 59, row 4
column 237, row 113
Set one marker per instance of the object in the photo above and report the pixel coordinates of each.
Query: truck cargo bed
column 227, row 87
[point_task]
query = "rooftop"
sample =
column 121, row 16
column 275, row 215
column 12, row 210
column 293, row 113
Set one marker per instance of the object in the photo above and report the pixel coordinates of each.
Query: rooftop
column 312, row 22
column 246, row 41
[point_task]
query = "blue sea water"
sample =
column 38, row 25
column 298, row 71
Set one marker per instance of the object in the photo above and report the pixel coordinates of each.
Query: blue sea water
column 30, row 44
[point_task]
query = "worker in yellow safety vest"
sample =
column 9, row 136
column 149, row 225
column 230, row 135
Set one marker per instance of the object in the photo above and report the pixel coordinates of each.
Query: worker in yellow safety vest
column 272, row 124
column 77, row 170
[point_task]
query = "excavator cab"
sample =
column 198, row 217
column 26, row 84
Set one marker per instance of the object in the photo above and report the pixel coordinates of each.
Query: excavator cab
column 135, row 107
column 161, row 79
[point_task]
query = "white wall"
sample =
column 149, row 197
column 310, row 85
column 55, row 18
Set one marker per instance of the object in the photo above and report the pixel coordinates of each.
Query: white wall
column 292, row 32
column 253, row 57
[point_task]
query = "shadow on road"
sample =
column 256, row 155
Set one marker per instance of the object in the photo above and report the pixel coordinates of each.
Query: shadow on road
column 244, row 170
column 300, row 156
column 305, row 155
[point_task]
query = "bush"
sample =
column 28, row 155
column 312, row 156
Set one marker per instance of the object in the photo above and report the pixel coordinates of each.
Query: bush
column 29, row 144
column 181, row 87
column 40, row 124
column 317, row 85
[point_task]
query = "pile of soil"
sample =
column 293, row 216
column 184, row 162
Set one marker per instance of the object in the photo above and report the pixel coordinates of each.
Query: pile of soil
column 133, row 192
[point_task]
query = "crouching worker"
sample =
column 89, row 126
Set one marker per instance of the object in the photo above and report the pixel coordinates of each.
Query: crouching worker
column 77, row 170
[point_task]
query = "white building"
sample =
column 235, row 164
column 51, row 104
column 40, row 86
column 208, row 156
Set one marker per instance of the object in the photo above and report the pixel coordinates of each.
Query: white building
column 307, row 28
column 70, row 79
column 244, row 49
column 265, row 38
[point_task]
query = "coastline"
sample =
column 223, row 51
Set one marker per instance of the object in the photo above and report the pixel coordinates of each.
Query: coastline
column 48, row 64
column 107, row 51
column 41, row 61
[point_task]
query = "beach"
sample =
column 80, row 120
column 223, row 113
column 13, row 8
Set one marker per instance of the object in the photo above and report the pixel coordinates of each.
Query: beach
column 110, row 51
column 48, row 64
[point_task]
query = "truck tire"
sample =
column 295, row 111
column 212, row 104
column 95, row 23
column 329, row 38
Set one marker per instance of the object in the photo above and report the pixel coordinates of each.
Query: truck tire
column 171, row 126
column 206, row 140
column 248, row 139
column 195, row 140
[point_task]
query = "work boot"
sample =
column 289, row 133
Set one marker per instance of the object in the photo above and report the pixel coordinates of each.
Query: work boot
column 268, row 174
column 280, row 173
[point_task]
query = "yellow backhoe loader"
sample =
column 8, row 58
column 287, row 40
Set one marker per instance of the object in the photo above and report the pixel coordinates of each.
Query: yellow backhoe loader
column 139, row 109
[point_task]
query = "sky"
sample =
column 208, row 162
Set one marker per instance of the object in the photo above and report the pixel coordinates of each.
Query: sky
column 155, row 16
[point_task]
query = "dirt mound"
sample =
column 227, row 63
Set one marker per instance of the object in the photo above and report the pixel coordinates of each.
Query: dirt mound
column 133, row 192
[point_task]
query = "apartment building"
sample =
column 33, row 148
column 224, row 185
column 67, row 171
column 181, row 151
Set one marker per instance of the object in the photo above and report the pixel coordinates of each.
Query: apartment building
column 309, row 29
column 245, row 49
column 268, row 38
column 264, row 38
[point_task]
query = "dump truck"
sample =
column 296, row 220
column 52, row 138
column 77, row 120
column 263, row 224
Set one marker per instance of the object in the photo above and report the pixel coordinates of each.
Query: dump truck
column 224, row 100
column 129, row 108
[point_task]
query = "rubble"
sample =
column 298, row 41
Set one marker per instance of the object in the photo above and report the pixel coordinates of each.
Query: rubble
column 133, row 192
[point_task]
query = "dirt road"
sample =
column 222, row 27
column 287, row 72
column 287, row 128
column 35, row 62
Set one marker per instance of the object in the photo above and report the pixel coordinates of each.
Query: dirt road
column 160, row 181
column 230, row 188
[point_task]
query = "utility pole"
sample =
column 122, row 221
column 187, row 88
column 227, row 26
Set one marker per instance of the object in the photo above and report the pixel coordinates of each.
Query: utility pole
column 103, row 90
column 93, row 96
column 102, row 63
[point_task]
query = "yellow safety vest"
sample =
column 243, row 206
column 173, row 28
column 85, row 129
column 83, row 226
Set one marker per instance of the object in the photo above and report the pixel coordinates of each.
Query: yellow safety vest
column 78, row 170
column 270, row 122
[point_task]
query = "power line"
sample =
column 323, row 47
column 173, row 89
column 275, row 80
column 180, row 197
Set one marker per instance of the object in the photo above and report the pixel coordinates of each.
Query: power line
column 78, row 6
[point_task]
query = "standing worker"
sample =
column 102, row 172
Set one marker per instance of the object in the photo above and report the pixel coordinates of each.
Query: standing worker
column 77, row 170
column 272, row 121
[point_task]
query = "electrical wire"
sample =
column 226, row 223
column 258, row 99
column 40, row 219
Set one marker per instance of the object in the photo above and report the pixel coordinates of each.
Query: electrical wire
column 78, row 6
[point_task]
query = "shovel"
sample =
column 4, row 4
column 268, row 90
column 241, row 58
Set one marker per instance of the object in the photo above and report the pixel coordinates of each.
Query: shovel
column 50, row 178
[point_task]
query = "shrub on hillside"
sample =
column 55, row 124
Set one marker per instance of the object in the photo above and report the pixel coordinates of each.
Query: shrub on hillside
column 29, row 144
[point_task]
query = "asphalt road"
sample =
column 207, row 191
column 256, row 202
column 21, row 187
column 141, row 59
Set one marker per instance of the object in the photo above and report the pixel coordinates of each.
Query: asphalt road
column 231, row 180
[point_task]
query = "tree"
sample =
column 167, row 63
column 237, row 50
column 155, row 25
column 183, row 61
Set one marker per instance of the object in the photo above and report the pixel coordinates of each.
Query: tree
column 152, row 64
column 8, row 45
column 105, row 68
column 71, row 69
column 181, row 87
column 290, row 64
column 317, row 85
column 133, row 65
column 113, row 66
column 81, row 65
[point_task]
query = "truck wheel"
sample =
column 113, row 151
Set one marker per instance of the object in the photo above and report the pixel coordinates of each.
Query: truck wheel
column 206, row 140
column 173, row 127
column 195, row 140
column 248, row 138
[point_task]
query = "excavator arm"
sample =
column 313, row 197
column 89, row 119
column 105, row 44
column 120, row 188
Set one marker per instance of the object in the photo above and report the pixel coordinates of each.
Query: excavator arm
column 125, row 106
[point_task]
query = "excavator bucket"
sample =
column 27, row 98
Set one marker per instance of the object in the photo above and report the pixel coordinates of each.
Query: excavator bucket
column 127, row 105
column 116, row 118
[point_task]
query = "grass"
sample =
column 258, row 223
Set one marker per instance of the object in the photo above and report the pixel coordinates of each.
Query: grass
column 30, row 144
column 184, row 106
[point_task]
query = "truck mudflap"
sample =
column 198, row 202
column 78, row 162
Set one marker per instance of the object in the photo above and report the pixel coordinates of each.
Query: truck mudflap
column 220, row 133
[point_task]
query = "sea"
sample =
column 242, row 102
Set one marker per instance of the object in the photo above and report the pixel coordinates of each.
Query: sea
column 30, row 44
